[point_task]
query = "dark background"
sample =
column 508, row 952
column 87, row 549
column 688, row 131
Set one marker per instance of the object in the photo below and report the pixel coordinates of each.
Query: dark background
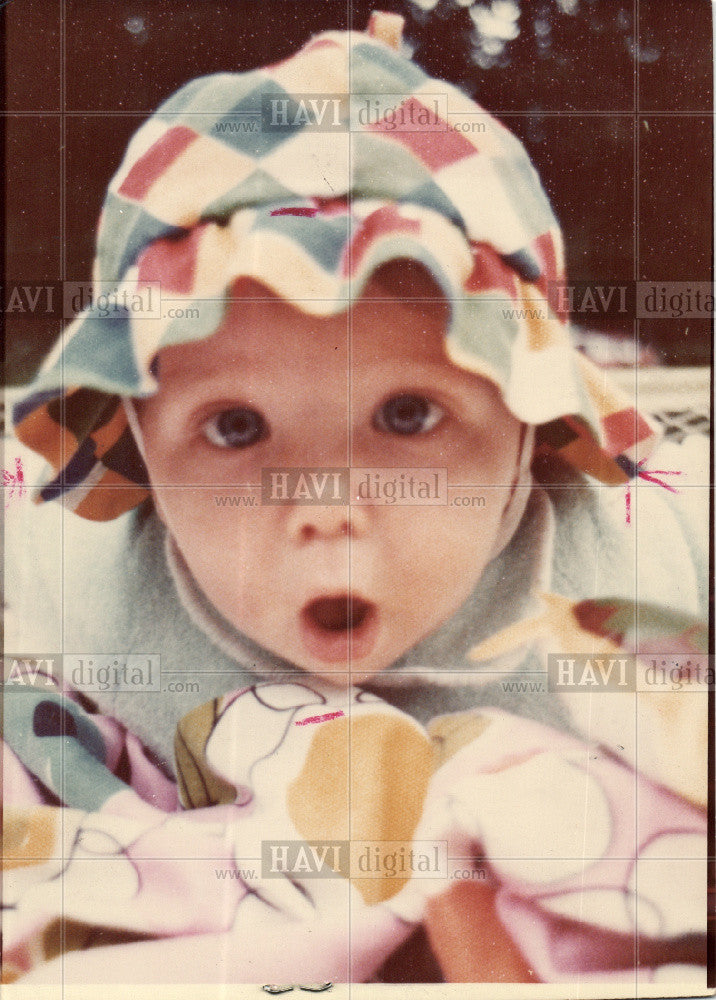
column 616, row 116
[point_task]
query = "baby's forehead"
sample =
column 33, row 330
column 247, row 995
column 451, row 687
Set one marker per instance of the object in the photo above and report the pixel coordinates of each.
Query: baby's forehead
column 271, row 355
column 262, row 331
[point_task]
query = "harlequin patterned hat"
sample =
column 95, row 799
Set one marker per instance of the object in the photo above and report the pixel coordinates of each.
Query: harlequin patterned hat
column 306, row 176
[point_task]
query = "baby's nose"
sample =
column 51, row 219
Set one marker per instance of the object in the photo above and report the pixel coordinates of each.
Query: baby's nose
column 330, row 522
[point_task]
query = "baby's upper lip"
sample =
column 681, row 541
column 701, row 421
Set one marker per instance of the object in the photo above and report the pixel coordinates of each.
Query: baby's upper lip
column 339, row 589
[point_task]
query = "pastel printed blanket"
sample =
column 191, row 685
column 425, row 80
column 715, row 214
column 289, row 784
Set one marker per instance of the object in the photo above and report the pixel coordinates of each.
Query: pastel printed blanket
column 312, row 830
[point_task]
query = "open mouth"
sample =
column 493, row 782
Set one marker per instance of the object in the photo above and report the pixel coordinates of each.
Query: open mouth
column 339, row 627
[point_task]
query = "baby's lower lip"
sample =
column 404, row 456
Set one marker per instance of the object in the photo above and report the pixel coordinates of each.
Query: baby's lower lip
column 339, row 629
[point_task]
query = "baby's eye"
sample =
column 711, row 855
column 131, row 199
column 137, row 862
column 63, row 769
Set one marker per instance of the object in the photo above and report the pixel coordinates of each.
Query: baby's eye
column 407, row 413
column 238, row 427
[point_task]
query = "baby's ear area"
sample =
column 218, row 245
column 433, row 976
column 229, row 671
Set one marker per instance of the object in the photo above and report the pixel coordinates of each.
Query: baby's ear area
column 134, row 408
column 156, row 503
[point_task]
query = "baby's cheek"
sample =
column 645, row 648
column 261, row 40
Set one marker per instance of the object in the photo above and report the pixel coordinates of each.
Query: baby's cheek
column 456, row 538
column 207, row 534
column 229, row 549
column 442, row 563
column 486, row 461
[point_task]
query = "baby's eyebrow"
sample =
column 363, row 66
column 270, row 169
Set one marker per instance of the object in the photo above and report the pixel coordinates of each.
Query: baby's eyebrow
column 204, row 369
column 424, row 375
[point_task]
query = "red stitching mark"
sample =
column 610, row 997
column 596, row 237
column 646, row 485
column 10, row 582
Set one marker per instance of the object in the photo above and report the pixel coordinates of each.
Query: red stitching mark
column 650, row 475
column 295, row 211
column 319, row 718
column 14, row 480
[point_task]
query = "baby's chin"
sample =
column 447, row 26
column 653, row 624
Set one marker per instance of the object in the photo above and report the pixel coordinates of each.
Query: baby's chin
column 343, row 673
column 341, row 680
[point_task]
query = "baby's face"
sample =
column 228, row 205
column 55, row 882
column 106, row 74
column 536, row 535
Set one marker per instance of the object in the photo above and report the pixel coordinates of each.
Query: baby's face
column 275, row 387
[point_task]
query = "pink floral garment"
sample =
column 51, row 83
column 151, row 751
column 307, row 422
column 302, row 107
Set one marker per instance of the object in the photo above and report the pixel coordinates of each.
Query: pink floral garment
column 598, row 871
